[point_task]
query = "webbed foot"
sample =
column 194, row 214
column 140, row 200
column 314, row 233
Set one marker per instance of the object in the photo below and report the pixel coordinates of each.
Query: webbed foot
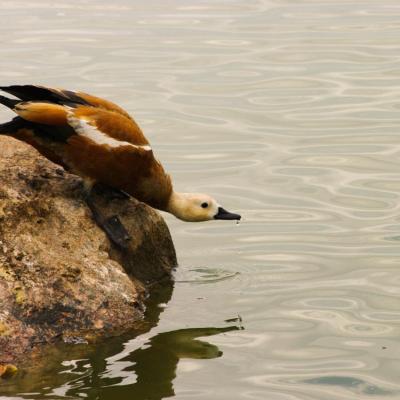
column 116, row 231
column 112, row 226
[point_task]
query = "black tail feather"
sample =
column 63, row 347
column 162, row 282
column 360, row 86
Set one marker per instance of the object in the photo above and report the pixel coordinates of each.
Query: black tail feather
column 39, row 93
column 10, row 103
column 28, row 92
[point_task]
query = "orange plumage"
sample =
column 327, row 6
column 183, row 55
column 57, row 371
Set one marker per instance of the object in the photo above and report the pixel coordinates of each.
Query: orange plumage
column 101, row 142
column 93, row 138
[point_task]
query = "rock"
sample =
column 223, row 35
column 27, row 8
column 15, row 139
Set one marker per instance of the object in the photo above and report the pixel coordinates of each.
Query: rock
column 60, row 277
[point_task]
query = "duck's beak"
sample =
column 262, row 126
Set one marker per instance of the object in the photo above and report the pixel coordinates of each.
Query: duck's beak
column 223, row 214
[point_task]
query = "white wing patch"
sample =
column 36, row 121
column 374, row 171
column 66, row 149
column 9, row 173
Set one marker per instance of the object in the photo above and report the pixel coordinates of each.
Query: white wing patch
column 84, row 128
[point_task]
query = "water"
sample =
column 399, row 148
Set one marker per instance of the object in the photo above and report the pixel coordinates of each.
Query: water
column 286, row 111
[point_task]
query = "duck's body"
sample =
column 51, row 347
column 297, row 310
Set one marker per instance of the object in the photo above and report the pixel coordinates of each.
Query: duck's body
column 99, row 141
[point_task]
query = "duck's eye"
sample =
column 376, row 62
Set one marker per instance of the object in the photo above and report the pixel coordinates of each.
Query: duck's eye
column 204, row 205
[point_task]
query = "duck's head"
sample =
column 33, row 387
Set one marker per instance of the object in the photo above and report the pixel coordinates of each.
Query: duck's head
column 197, row 207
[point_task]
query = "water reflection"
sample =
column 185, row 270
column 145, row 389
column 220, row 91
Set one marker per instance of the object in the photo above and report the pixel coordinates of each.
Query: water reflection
column 155, row 365
column 148, row 371
column 108, row 370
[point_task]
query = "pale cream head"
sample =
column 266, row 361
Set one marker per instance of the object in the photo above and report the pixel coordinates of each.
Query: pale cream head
column 197, row 207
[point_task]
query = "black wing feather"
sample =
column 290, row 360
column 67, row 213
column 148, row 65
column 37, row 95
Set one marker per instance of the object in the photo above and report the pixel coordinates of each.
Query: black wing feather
column 10, row 103
column 40, row 93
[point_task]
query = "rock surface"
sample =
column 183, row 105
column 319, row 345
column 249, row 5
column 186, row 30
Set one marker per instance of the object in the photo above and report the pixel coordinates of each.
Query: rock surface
column 60, row 277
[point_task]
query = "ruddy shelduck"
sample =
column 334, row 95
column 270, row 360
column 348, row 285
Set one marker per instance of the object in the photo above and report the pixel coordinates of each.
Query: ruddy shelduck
column 99, row 141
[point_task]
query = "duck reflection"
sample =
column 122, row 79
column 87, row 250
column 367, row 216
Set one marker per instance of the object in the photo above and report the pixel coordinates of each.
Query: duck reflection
column 155, row 363
column 148, row 372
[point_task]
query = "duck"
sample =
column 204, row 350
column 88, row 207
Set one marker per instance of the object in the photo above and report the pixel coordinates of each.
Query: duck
column 101, row 142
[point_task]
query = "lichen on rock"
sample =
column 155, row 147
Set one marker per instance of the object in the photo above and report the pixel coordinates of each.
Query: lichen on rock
column 60, row 277
column 7, row 371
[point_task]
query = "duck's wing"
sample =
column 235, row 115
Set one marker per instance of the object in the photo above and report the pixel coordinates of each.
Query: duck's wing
column 102, row 127
column 92, row 140
column 107, row 128
column 103, row 103
column 97, row 119
column 61, row 97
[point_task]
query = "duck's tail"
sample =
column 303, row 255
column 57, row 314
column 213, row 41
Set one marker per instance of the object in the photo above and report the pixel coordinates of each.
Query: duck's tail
column 12, row 126
column 10, row 103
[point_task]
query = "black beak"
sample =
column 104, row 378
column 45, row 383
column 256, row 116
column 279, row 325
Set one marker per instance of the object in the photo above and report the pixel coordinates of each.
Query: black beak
column 223, row 214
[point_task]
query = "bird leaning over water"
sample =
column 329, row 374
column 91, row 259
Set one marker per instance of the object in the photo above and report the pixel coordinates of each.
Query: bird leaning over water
column 99, row 141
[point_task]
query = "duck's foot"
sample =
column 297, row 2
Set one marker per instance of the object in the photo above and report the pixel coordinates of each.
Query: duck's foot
column 112, row 226
column 116, row 231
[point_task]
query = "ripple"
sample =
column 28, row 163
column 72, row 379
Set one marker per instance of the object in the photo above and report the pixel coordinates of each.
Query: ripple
column 207, row 275
column 354, row 384
column 346, row 386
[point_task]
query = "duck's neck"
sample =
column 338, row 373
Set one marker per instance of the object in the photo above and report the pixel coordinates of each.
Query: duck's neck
column 178, row 205
column 156, row 191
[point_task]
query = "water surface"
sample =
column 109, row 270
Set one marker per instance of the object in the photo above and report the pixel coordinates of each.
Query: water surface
column 287, row 112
